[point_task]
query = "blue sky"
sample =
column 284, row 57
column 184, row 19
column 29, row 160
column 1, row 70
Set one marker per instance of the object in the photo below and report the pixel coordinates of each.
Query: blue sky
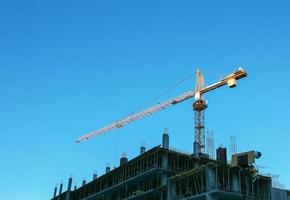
column 69, row 67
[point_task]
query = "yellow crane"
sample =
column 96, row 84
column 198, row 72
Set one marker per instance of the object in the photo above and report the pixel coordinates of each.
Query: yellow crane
column 199, row 105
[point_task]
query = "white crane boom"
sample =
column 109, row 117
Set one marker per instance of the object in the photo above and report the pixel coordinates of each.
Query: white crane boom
column 138, row 115
column 231, row 80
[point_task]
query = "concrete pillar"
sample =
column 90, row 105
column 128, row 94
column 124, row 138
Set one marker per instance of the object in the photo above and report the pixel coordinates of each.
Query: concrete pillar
column 55, row 191
column 119, row 195
column 210, row 174
column 221, row 155
column 69, row 184
column 196, row 149
column 171, row 191
column 164, row 165
column 211, row 182
column 84, row 182
column 68, row 188
column 60, row 189
column 95, row 176
column 235, row 182
column 107, row 169
column 123, row 160
column 165, row 141
column 246, row 185
column 142, row 150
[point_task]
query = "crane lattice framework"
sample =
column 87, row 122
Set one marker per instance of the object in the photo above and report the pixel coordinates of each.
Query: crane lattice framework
column 199, row 106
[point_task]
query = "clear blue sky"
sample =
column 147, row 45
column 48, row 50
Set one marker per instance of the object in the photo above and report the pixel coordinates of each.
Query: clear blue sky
column 69, row 67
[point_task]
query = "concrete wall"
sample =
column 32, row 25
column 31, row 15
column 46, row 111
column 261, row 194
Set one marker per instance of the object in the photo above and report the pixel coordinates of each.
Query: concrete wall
column 279, row 194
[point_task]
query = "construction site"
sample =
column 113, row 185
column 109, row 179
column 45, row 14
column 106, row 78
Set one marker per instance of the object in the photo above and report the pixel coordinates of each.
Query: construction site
column 162, row 173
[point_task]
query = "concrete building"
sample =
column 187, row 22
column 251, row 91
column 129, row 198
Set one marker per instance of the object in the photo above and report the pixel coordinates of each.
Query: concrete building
column 164, row 174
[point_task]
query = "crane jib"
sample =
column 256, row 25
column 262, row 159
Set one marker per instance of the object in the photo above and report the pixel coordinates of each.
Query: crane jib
column 230, row 80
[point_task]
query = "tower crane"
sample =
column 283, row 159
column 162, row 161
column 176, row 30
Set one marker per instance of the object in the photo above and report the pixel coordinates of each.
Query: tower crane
column 199, row 105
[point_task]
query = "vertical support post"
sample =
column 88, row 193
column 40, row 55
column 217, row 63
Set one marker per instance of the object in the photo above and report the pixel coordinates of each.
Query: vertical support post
column 68, row 188
column 210, row 179
column 84, row 182
column 171, row 191
column 55, row 191
column 60, row 190
column 211, row 182
column 201, row 181
column 142, row 150
column 69, row 184
column 95, row 176
column 228, row 182
column 240, row 181
column 164, row 165
column 119, row 195
column 107, row 169
column 165, row 140
column 235, row 182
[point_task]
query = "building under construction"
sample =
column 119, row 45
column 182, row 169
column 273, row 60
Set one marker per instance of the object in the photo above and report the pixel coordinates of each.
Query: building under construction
column 164, row 174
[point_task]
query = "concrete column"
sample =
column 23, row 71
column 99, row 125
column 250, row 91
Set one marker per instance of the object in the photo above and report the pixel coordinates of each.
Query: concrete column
column 211, row 182
column 119, row 195
column 95, row 176
column 84, row 182
column 164, row 165
column 165, row 141
column 68, row 188
column 171, row 191
column 164, row 159
column 69, row 184
column 235, row 182
column 210, row 179
column 107, row 169
column 60, row 190
column 142, row 150
column 55, row 191
column 196, row 149
column 123, row 160
column 247, row 185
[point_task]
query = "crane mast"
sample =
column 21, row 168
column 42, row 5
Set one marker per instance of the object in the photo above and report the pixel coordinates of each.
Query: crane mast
column 199, row 105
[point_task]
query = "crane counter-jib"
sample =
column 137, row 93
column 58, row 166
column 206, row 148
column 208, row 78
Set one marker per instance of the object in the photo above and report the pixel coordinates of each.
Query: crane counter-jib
column 240, row 73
